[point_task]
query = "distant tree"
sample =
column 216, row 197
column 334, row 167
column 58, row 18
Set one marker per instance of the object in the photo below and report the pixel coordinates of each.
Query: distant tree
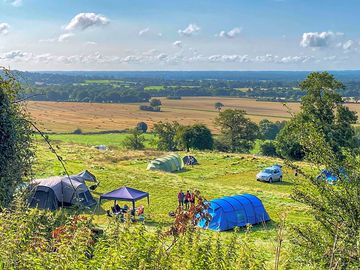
column 218, row 106
column 16, row 154
column 77, row 131
column 135, row 140
column 197, row 137
column 149, row 108
column 237, row 131
column 166, row 134
column 155, row 102
column 142, row 126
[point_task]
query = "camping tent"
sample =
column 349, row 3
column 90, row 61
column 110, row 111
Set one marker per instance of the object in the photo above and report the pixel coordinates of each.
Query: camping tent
column 125, row 194
column 235, row 211
column 52, row 192
column 86, row 176
column 169, row 163
column 190, row 160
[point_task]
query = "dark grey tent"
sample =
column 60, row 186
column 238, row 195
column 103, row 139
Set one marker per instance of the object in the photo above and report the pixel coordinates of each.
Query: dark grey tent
column 190, row 160
column 52, row 192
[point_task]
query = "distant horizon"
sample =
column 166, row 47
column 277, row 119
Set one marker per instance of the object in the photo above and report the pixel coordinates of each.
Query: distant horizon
column 204, row 70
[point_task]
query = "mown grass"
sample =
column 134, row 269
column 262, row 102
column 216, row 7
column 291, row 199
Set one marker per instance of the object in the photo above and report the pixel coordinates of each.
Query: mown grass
column 219, row 174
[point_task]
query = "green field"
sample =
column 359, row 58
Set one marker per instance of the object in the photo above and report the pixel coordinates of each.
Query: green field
column 219, row 174
column 111, row 140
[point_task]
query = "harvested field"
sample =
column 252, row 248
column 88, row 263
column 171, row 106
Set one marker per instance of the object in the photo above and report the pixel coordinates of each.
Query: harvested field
column 67, row 116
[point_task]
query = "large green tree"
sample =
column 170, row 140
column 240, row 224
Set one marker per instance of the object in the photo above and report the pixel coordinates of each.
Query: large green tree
column 197, row 136
column 237, row 131
column 165, row 134
column 16, row 153
column 323, row 107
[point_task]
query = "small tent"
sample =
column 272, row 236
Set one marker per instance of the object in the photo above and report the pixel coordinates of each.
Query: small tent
column 235, row 211
column 52, row 192
column 169, row 163
column 190, row 160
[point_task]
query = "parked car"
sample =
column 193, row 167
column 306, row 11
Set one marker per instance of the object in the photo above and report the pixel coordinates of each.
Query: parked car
column 270, row 174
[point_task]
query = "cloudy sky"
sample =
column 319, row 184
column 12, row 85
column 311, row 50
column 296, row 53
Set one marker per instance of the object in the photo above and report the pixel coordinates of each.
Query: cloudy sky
column 180, row 34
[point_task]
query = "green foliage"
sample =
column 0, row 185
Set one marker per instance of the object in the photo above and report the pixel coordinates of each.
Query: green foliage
column 34, row 239
column 268, row 148
column 331, row 241
column 142, row 126
column 16, row 153
column 268, row 130
column 166, row 134
column 288, row 141
column 155, row 102
column 323, row 107
column 197, row 136
column 237, row 131
column 135, row 140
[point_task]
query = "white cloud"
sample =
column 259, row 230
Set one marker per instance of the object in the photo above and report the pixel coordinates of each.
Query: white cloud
column 229, row 58
column 14, row 55
column 91, row 43
column 83, row 21
column 4, row 28
column 348, row 45
column 318, row 39
column 65, row 37
column 178, row 44
column 144, row 31
column 230, row 34
column 190, row 30
column 15, row 3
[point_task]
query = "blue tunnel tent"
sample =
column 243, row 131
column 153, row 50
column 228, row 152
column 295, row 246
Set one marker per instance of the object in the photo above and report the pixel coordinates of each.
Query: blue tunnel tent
column 235, row 211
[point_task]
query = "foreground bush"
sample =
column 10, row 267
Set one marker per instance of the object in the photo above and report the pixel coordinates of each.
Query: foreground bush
column 34, row 239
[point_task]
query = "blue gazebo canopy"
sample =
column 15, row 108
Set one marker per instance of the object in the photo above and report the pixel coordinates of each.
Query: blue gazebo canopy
column 125, row 194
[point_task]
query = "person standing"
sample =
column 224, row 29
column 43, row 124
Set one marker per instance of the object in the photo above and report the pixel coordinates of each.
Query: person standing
column 192, row 199
column 181, row 198
column 187, row 199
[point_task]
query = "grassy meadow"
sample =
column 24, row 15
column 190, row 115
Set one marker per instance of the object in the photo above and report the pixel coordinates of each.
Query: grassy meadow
column 219, row 174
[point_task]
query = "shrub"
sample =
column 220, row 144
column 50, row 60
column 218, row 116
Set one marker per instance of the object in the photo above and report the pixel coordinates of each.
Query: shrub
column 155, row 102
column 77, row 131
column 135, row 140
column 268, row 148
column 149, row 108
column 142, row 126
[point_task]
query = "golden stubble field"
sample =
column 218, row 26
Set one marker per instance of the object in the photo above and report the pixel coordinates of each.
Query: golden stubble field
column 67, row 116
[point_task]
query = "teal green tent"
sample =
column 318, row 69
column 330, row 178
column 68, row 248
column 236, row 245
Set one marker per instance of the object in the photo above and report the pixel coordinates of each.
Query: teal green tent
column 169, row 163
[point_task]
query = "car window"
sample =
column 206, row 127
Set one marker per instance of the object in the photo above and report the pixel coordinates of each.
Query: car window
column 268, row 171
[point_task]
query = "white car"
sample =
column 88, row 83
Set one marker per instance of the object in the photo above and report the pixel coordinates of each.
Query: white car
column 270, row 174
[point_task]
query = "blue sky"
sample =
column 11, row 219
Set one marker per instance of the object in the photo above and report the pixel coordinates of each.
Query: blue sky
column 180, row 35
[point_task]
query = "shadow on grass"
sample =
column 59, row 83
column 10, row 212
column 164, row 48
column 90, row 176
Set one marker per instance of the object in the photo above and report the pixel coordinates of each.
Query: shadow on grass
column 283, row 183
column 261, row 227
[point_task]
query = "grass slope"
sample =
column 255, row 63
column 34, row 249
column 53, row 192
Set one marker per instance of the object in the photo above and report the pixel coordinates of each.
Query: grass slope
column 218, row 175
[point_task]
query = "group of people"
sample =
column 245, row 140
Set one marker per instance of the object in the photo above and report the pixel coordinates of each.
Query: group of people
column 186, row 199
column 120, row 212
